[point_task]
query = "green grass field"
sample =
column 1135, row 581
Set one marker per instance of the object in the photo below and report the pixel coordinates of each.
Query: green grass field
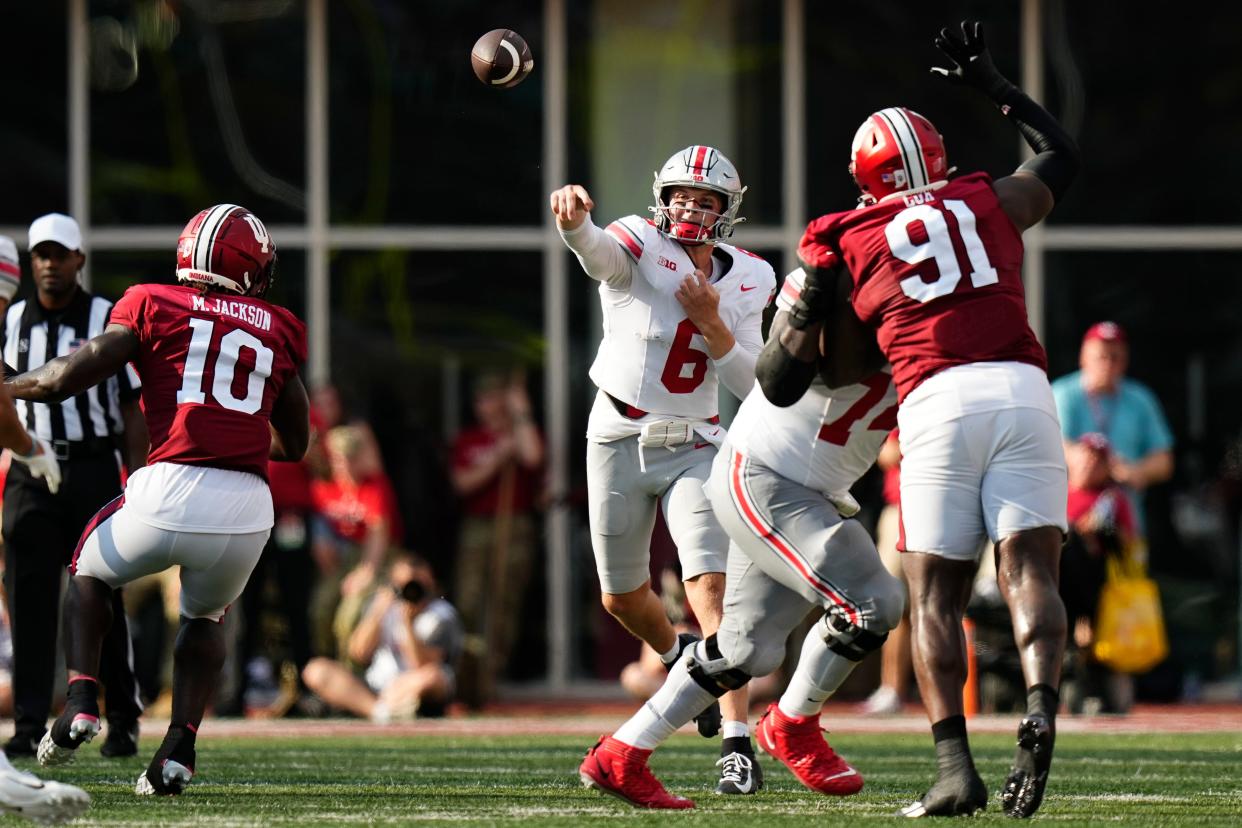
column 1167, row 779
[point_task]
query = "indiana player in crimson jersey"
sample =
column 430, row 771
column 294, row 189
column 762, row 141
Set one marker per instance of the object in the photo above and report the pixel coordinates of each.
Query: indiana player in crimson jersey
column 682, row 314
column 934, row 266
column 221, row 396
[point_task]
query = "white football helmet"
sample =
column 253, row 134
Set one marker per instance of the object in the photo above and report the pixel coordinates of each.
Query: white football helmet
column 706, row 168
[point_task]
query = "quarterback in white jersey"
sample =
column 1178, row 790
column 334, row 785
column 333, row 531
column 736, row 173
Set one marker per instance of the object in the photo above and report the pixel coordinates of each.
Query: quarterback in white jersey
column 683, row 312
column 780, row 488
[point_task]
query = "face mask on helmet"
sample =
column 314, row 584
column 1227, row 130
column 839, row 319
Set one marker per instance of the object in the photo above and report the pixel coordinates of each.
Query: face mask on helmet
column 226, row 248
column 896, row 150
column 704, row 168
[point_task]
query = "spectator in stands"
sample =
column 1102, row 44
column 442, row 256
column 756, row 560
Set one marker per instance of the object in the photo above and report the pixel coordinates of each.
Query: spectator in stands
column 327, row 405
column 359, row 523
column 286, row 559
column 407, row 644
column 6, row 665
column 896, row 668
column 1100, row 398
column 1102, row 524
column 497, row 472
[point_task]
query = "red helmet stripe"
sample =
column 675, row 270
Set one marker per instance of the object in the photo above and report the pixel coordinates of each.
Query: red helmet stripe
column 700, row 159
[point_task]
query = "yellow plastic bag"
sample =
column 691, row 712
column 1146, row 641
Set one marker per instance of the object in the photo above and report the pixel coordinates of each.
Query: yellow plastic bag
column 1129, row 629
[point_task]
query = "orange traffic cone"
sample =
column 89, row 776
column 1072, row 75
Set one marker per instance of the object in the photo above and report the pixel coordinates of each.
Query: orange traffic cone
column 970, row 693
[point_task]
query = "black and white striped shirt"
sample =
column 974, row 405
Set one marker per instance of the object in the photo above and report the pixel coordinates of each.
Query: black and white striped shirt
column 33, row 335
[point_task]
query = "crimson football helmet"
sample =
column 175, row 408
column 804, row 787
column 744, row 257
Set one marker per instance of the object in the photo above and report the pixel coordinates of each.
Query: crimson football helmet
column 896, row 149
column 708, row 169
column 226, row 247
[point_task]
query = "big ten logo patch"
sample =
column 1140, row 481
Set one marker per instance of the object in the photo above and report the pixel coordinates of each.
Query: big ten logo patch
column 663, row 262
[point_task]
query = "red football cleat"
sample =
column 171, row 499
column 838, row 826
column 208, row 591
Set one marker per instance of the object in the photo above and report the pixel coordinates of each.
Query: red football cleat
column 620, row 770
column 799, row 742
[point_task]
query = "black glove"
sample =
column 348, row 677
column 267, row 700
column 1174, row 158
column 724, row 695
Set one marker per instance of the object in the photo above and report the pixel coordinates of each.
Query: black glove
column 972, row 63
column 1057, row 158
column 816, row 299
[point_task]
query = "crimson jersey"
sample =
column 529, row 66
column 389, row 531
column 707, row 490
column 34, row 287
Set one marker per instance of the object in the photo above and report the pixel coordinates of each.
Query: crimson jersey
column 938, row 273
column 212, row 367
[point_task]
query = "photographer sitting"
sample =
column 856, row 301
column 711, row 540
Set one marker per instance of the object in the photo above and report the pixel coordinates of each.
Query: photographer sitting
column 408, row 640
column 1102, row 525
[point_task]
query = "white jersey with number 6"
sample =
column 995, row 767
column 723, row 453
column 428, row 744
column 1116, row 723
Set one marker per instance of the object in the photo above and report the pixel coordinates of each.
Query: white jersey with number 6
column 652, row 356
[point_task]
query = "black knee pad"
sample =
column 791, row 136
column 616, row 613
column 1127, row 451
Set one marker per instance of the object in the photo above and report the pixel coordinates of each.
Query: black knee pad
column 846, row 638
column 715, row 675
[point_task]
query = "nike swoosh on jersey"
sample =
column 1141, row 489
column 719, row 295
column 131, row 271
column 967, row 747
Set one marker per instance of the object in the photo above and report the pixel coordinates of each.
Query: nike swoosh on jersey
column 748, row 287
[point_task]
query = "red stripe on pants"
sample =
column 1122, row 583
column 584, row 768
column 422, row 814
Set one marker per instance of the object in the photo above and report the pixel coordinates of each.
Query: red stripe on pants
column 110, row 508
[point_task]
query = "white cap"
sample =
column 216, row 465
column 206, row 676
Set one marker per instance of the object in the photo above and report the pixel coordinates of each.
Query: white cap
column 8, row 252
column 10, row 269
column 55, row 227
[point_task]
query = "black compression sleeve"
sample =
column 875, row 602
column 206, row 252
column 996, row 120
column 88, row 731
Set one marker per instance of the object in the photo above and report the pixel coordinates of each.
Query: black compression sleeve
column 1057, row 158
column 783, row 377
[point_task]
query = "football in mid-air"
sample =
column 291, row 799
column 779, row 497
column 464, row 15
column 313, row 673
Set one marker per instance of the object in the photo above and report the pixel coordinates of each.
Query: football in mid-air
column 501, row 58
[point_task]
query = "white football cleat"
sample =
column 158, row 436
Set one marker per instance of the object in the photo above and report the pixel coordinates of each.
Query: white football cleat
column 175, row 775
column 84, row 729
column 42, row 801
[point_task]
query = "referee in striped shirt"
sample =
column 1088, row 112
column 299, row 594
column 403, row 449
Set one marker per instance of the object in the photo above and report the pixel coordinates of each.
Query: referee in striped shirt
column 41, row 529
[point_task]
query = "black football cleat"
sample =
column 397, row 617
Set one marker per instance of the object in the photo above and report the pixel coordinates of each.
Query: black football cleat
column 740, row 774
column 958, row 795
column 122, row 740
column 1024, row 788
column 171, row 768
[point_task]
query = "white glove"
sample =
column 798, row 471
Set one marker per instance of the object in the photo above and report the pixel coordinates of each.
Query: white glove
column 845, row 504
column 42, row 462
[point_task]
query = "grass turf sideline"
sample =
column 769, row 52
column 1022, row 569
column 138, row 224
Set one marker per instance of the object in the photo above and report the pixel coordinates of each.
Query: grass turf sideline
column 370, row 779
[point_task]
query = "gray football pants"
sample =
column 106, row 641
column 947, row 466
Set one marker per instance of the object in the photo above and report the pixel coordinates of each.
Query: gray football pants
column 789, row 552
column 623, row 492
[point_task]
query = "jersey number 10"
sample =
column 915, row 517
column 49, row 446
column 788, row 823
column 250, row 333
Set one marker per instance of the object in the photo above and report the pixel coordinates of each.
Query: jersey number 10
column 225, row 369
column 939, row 246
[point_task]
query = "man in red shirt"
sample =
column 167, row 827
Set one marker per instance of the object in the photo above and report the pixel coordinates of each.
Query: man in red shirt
column 358, row 506
column 287, row 558
column 498, row 474
column 934, row 266
column 221, row 395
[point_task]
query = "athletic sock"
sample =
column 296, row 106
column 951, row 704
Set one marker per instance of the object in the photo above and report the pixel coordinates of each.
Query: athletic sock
column 819, row 673
column 736, row 744
column 81, row 698
column 735, row 730
column 1044, row 700
column 952, row 747
column 178, row 746
column 683, row 641
column 679, row 700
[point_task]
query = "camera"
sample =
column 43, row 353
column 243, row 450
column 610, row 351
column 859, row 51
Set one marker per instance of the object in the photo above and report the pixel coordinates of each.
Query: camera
column 413, row 591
